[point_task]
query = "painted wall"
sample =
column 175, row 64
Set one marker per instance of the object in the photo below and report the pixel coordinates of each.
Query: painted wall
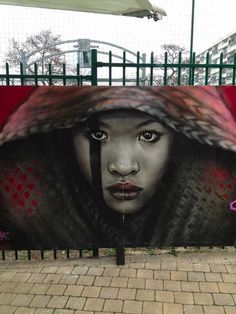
column 84, row 167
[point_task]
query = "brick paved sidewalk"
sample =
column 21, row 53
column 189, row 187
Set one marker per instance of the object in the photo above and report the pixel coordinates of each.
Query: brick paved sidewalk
column 191, row 283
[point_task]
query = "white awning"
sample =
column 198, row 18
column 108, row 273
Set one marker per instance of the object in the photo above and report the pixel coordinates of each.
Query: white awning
column 137, row 8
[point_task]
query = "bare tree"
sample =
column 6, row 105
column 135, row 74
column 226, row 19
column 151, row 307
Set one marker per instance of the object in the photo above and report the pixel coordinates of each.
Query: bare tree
column 37, row 49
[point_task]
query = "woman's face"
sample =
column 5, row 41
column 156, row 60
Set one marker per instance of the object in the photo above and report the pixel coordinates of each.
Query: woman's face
column 134, row 155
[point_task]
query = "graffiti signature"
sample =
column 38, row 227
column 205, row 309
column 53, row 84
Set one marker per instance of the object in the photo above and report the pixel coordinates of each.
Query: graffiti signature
column 4, row 235
column 233, row 205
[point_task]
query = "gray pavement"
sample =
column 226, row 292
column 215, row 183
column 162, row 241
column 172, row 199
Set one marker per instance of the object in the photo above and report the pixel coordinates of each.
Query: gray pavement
column 190, row 283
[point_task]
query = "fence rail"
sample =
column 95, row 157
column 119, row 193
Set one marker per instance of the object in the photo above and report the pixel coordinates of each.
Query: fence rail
column 125, row 73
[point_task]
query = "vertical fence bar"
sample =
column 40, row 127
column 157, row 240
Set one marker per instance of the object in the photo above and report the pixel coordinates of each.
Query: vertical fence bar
column 64, row 74
column 50, row 74
column 79, row 81
column 55, row 254
column 36, row 74
column 124, row 69
column 67, row 253
column 234, row 70
column 221, row 68
column 3, row 255
column 110, row 68
column 95, row 253
column 29, row 254
column 207, row 69
column 179, row 68
column 137, row 69
column 151, row 68
column 16, row 255
column 42, row 254
column 193, row 69
column 165, row 68
column 94, row 67
column 7, row 74
column 22, row 81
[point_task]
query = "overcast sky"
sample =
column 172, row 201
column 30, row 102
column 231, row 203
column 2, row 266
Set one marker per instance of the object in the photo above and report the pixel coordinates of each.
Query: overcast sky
column 214, row 19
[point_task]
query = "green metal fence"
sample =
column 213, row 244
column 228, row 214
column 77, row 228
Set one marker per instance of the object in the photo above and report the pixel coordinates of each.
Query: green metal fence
column 125, row 73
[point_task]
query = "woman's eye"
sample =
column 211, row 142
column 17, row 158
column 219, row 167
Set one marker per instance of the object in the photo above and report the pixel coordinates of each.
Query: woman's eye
column 149, row 136
column 99, row 135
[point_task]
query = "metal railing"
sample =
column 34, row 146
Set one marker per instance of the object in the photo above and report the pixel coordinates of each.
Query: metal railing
column 125, row 73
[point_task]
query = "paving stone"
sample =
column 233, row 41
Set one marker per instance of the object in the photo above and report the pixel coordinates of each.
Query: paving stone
column 58, row 302
column 80, row 270
column 172, row 285
column 208, row 287
column 52, row 278
column 153, row 266
column 37, row 278
column 7, row 298
column 113, row 306
column 102, row 281
column 218, row 268
column 7, row 309
column 190, row 286
column 130, row 273
column 145, row 273
column 184, row 297
column 40, row 288
column 69, row 279
column 44, row 311
column 21, row 277
column 75, row 303
column 91, row 292
column 214, row 277
column 227, row 287
column 56, row 289
column 34, row 270
column 168, row 266
column 172, row 308
column 193, row 309
column 229, row 277
column 201, row 267
column 23, row 287
column 127, row 294
column 178, row 275
column 196, row 276
column 63, row 311
column 23, row 299
column 24, row 310
column 164, row 296
column 161, row 274
column 49, row 270
column 231, row 268
column 154, row 284
column 111, row 272
column 223, row 299
column 132, row 307
column 65, row 270
column 214, row 309
column 40, row 301
column 109, row 293
column 152, row 307
column 7, row 286
column 145, row 295
column 203, row 298
column 185, row 266
column 85, row 280
column 119, row 282
column 7, row 276
column 95, row 271
column 136, row 283
column 74, row 290
column 94, row 304
column 230, row 309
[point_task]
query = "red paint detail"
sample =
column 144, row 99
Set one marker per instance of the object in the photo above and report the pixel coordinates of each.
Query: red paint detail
column 29, row 169
column 24, row 177
column 208, row 190
column 21, row 203
column 221, row 186
column 19, row 187
column 31, row 186
column 226, row 196
column 230, row 186
column 26, row 195
column 34, row 202
column 14, row 196
column 11, row 180
column 7, row 188
column 30, row 210
column 17, row 170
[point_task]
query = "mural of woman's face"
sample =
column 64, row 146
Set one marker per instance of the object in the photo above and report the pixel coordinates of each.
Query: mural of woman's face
column 134, row 155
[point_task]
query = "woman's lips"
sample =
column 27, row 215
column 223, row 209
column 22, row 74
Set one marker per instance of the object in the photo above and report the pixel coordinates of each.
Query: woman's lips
column 124, row 191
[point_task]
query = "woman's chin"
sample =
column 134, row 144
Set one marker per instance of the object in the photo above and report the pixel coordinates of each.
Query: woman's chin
column 124, row 207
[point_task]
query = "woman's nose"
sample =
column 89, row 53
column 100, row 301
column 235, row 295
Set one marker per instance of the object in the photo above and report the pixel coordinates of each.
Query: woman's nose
column 123, row 167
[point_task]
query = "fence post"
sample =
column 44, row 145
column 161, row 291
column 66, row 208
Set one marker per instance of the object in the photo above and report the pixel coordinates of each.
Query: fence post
column 94, row 71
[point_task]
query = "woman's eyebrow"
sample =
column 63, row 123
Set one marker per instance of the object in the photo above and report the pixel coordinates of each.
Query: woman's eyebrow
column 145, row 123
